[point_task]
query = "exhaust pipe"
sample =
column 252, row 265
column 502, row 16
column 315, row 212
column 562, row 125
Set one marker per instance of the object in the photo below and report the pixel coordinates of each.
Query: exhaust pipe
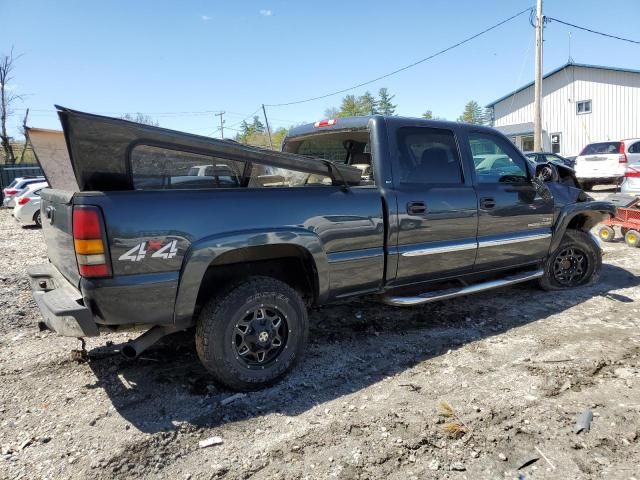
column 135, row 347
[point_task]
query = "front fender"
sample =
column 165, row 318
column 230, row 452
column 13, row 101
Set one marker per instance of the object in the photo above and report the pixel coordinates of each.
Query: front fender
column 203, row 253
column 589, row 215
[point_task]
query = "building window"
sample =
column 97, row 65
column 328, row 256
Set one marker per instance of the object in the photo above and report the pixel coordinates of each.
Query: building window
column 527, row 143
column 583, row 106
column 555, row 142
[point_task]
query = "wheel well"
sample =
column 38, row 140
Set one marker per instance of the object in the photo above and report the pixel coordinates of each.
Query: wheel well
column 288, row 263
column 583, row 221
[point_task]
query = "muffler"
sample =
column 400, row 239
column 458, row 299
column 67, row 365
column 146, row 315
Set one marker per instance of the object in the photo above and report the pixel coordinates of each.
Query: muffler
column 134, row 348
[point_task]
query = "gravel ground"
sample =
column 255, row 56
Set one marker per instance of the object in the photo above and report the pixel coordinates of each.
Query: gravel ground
column 516, row 367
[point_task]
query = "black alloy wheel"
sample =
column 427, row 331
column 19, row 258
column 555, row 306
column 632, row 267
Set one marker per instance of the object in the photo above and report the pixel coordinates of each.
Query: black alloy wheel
column 260, row 336
column 576, row 262
column 570, row 266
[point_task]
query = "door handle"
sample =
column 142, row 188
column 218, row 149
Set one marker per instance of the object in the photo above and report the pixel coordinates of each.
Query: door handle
column 487, row 202
column 416, row 208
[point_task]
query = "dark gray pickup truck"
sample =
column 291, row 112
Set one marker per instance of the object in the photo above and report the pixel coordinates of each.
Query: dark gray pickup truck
column 166, row 230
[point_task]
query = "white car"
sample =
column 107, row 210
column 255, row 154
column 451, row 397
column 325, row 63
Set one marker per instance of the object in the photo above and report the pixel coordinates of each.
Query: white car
column 16, row 188
column 27, row 207
column 606, row 162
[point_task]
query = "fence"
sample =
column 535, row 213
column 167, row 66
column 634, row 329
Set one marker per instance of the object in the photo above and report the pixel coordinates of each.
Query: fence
column 8, row 173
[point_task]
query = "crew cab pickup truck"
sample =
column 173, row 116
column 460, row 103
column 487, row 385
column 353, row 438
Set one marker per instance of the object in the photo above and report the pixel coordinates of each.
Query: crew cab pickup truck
column 445, row 209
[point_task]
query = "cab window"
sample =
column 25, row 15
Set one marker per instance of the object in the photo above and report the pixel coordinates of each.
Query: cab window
column 495, row 161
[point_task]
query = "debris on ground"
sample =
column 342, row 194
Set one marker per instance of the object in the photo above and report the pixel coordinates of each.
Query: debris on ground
column 232, row 398
column 209, row 442
column 583, row 423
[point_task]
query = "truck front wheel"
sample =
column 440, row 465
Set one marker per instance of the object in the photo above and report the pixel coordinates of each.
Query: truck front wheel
column 253, row 334
column 576, row 262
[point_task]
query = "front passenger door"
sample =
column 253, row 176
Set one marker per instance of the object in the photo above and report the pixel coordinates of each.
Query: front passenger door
column 514, row 223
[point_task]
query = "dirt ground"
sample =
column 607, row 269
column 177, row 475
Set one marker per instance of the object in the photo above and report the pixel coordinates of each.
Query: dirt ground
column 516, row 365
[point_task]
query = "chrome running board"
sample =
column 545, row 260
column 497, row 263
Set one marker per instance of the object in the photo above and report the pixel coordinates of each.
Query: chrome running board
column 437, row 295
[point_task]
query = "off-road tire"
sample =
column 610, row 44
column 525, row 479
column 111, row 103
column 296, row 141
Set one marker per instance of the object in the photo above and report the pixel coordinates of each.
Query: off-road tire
column 216, row 330
column 606, row 233
column 585, row 243
column 632, row 238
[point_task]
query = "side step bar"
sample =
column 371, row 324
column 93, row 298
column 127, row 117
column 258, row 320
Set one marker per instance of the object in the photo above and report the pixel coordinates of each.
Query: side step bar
column 437, row 295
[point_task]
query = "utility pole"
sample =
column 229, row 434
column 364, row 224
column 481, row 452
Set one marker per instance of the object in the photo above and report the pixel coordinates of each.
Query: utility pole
column 266, row 121
column 221, row 123
column 537, row 111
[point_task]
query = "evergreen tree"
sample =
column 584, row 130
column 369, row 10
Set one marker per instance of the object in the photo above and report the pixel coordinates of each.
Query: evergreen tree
column 472, row 114
column 257, row 126
column 488, row 117
column 368, row 104
column 385, row 107
column 428, row 115
column 350, row 106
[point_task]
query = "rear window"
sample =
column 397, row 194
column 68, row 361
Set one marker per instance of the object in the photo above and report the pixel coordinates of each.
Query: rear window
column 13, row 183
column 429, row 155
column 601, row 148
column 162, row 168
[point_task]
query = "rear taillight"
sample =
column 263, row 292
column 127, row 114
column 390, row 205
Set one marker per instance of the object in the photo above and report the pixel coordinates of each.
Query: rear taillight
column 632, row 172
column 10, row 191
column 622, row 158
column 23, row 200
column 88, row 239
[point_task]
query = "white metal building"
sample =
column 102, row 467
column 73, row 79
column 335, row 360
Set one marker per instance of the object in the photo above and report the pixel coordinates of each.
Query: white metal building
column 581, row 104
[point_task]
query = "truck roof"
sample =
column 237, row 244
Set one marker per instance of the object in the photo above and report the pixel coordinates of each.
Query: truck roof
column 362, row 123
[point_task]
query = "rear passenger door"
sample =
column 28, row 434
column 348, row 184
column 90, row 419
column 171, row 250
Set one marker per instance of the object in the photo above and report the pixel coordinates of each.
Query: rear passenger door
column 436, row 210
column 514, row 223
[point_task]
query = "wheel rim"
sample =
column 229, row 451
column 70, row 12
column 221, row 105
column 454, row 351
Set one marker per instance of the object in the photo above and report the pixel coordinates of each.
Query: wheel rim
column 260, row 336
column 570, row 266
column 604, row 233
column 631, row 238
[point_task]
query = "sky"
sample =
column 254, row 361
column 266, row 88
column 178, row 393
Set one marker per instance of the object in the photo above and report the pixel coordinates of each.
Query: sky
column 179, row 62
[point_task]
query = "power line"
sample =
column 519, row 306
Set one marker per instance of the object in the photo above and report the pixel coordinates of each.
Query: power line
column 406, row 67
column 593, row 31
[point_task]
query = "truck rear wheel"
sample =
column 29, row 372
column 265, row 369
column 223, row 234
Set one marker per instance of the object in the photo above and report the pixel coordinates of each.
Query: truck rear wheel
column 576, row 262
column 253, row 334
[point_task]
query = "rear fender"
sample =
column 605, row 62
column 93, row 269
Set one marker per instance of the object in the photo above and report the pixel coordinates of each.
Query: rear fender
column 204, row 253
column 580, row 216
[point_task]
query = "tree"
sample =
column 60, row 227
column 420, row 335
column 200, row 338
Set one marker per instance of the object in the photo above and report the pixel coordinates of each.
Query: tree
column 428, row 115
column 7, row 100
column 331, row 112
column 351, row 106
column 257, row 125
column 488, row 117
column 140, row 118
column 472, row 114
column 385, row 107
column 368, row 104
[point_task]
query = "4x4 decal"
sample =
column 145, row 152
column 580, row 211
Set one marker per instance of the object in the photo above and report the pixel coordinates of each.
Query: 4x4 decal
column 139, row 252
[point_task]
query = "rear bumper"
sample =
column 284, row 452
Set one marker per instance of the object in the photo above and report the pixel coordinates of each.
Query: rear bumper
column 60, row 303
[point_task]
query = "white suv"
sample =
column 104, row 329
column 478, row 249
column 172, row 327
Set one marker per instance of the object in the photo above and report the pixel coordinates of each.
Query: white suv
column 606, row 162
